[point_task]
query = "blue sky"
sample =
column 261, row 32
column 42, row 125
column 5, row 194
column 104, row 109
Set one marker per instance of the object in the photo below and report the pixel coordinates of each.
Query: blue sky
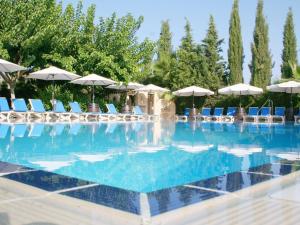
column 198, row 11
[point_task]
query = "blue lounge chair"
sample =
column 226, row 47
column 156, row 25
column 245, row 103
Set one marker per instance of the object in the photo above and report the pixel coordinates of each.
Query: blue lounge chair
column 74, row 128
column 36, row 130
column 57, row 129
column 37, row 107
column 75, row 108
column 265, row 115
column 19, row 130
column 252, row 114
column 141, row 115
column 185, row 116
column 112, row 110
column 297, row 117
column 231, row 112
column 20, row 109
column 218, row 114
column 205, row 114
column 279, row 114
column 5, row 112
column 3, row 130
column 60, row 110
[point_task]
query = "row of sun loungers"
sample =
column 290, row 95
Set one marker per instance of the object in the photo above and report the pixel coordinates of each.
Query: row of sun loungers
column 255, row 114
column 20, row 111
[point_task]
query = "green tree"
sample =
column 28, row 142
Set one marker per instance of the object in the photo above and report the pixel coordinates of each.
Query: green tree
column 191, row 66
column 212, row 51
column 289, row 52
column 295, row 71
column 235, row 50
column 163, row 65
column 27, row 36
column 116, row 52
column 261, row 64
column 185, row 72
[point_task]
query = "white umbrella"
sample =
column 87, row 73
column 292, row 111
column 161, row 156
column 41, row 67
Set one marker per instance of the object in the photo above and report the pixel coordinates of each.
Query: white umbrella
column 290, row 87
column 152, row 88
column 125, row 87
column 193, row 91
column 93, row 79
column 53, row 73
column 240, row 89
column 9, row 67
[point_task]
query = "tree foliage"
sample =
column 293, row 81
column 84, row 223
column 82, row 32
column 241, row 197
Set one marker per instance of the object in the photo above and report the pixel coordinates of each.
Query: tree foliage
column 289, row 52
column 212, row 51
column 164, row 64
column 191, row 67
column 44, row 34
column 261, row 64
column 235, row 50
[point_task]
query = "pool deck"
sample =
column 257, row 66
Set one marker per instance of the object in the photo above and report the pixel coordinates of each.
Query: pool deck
column 272, row 202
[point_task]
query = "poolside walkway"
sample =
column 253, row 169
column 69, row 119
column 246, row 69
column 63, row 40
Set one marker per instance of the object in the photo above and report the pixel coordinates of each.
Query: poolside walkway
column 272, row 202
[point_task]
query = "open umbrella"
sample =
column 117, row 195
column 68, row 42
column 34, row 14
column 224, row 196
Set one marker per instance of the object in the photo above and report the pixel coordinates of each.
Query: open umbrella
column 152, row 88
column 53, row 73
column 126, row 87
column 93, row 79
column 290, row 87
column 240, row 89
column 193, row 91
column 9, row 67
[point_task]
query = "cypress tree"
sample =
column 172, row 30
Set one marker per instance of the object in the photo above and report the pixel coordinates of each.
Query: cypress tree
column 163, row 64
column 191, row 66
column 164, row 44
column 235, row 50
column 261, row 64
column 185, row 67
column 212, row 49
column 289, row 52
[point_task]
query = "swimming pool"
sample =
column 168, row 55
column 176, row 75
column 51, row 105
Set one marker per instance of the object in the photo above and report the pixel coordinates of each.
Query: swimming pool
column 149, row 157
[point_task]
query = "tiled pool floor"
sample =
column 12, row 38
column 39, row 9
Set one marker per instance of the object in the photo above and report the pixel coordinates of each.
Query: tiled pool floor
column 24, row 205
column 158, row 202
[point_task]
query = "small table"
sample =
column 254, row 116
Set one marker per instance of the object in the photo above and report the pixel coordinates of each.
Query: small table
column 93, row 107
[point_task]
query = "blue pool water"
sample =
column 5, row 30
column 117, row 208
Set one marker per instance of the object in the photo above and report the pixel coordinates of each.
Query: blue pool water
column 146, row 157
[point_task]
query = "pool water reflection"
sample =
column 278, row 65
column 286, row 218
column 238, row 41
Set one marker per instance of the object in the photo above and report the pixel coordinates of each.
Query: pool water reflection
column 146, row 157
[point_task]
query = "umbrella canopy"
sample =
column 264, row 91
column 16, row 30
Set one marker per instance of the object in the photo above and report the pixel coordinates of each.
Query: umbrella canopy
column 53, row 73
column 193, row 91
column 152, row 88
column 287, row 87
column 93, row 79
column 240, row 89
column 290, row 87
column 8, row 67
column 126, row 87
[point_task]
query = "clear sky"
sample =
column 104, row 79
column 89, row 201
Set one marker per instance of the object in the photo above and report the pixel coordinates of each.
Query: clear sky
column 198, row 11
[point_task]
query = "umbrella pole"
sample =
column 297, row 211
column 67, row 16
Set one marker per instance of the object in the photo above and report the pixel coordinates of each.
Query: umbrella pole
column 240, row 99
column 193, row 100
column 53, row 102
column 93, row 93
column 291, row 97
